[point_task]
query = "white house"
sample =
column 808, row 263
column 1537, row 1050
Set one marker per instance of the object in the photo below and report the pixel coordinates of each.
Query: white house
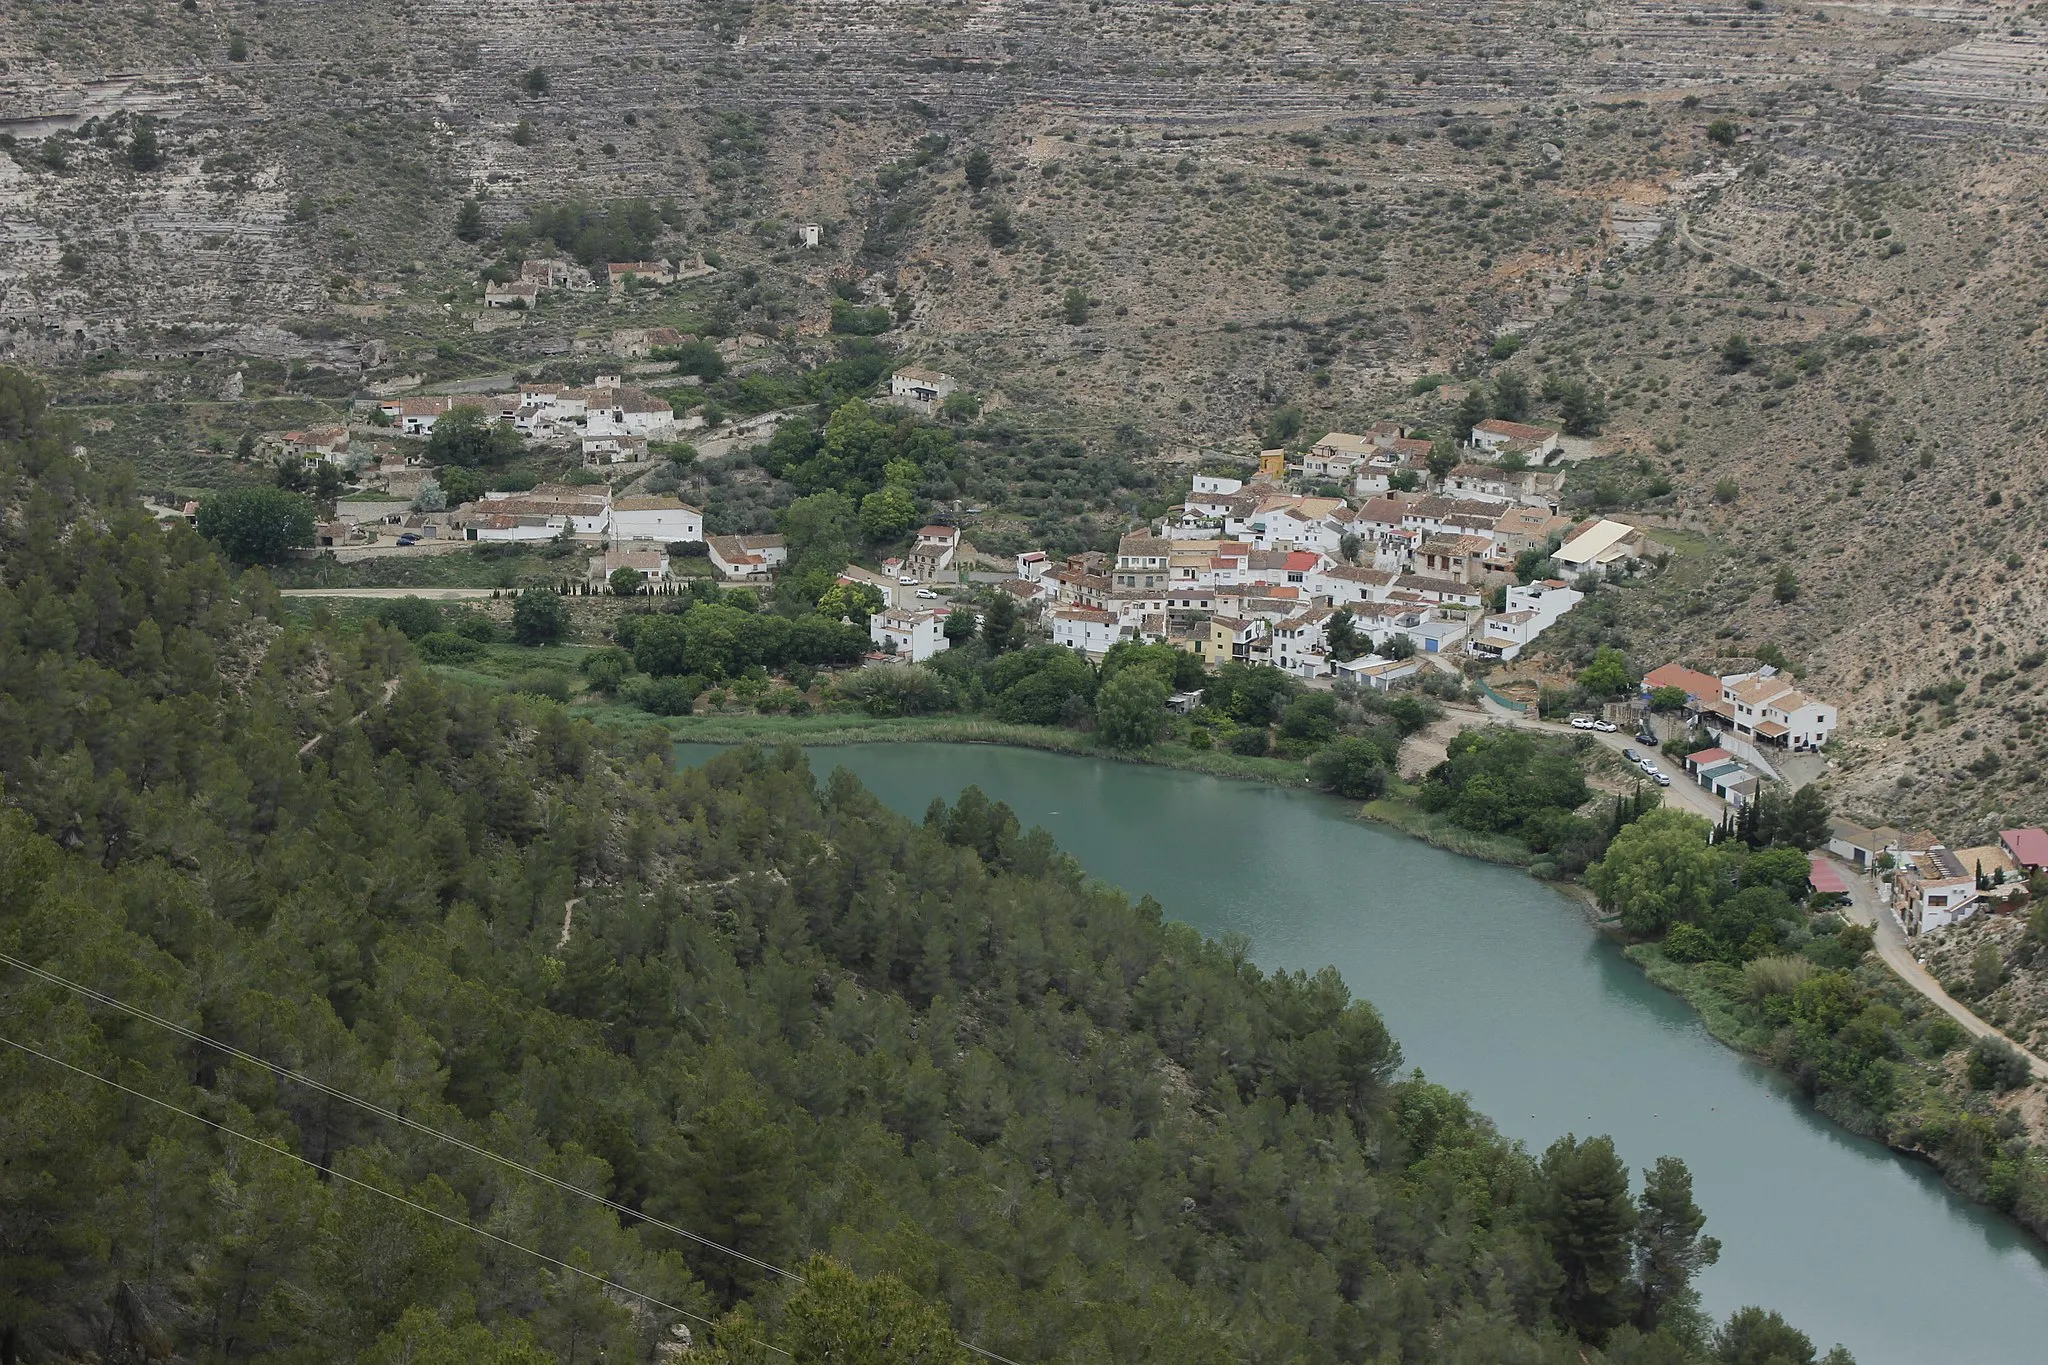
column 586, row 511
column 1375, row 672
column 657, row 517
column 1338, row 455
column 1765, row 706
column 540, row 514
column 416, row 416
column 1933, row 889
column 1438, row 637
column 1083, row 629
column 1216, row 486
column 1299, row 645
column 1506, row 634
column 1033, row 565
column 746, row 559
column 810, row 235
column 1345, row 585
column 1496, row 436
column 1596, row 544
column 629, row 412
column 1143, row 562
column 505, row 527
column 650, row 562
column 912, row 636
column 1549, row 598
column 915, row 384
column 932, row 553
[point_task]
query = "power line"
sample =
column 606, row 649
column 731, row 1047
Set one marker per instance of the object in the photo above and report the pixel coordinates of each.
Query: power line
column 193, row 1035
column 137, row 1012
column 414, row 1205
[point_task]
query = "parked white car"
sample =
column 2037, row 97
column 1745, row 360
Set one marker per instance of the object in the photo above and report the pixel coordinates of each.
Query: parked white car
column 926, row 594
column 1605, row 727
column 1582, row 722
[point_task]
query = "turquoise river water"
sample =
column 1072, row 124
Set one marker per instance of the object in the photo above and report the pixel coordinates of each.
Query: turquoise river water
column 1496, row 985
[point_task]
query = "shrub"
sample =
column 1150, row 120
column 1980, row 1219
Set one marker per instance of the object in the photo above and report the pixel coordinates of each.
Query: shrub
column 539, row 617
column 1942, row 1034
column 552, row 683
column 1352, row 768
column 1251, row 742
column 606, row 669
column 1996, row 1064
column 1769, row 976
column 447, row 647
column 1689, row 943
column 667, row 696
column 474, row 625
column 415, row 617
column 896, row 690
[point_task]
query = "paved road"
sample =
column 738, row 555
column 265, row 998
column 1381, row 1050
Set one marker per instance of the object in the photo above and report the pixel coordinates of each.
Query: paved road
column 1897, row 951
column 429, row 594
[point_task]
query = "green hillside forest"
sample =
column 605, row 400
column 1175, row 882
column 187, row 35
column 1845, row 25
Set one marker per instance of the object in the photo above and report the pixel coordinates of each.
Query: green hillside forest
column 349, row 1015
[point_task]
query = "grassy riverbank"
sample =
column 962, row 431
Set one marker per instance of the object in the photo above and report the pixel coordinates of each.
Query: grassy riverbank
column 1398, row 809
column 852, row 728
column 1926, row 1109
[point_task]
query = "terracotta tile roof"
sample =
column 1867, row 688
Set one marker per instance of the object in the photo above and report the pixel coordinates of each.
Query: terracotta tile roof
column 1693, row 682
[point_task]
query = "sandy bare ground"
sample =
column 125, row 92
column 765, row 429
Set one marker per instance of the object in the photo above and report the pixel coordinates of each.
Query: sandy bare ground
column 1425, row 749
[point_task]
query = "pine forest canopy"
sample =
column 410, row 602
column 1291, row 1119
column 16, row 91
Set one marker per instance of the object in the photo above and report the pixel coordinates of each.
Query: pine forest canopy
column 965, row 1092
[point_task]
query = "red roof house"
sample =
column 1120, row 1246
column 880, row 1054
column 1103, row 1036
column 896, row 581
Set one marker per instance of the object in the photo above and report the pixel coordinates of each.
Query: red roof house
column 1825, row 880
column 2027, row 847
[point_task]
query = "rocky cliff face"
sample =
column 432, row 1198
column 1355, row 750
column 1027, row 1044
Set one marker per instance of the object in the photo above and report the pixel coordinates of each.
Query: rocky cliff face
column 1288, row 204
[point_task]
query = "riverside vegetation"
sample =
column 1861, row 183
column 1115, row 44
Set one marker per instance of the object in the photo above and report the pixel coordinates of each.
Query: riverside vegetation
column 971, row 1093
column 1727, row 923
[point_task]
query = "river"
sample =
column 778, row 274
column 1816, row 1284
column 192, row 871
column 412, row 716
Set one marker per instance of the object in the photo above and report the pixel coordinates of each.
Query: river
column 1495, row 984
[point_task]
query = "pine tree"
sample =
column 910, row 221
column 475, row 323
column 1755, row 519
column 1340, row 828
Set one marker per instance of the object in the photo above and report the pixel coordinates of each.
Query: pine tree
column 1668, row 1245
column 1588, row 1221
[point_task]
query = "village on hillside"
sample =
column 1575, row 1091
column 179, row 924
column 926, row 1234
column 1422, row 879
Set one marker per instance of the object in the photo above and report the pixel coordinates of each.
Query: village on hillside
column 1367, row 559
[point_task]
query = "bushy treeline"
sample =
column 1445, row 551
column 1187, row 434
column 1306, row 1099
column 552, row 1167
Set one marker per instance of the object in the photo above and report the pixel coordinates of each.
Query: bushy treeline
column 592, row 232
column 968, row 1091
column 1531, row 787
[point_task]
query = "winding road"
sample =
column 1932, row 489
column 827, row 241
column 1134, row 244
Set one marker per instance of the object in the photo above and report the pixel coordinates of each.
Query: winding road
column 1897, row 952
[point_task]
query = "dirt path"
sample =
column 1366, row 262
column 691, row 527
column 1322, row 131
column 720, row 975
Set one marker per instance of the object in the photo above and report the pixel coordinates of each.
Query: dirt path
column 390, row 691
column 1425, row 749
column 1897, row 951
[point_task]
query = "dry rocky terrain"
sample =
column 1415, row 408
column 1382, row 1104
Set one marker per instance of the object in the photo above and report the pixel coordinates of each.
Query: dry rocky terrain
column 1266, row 207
